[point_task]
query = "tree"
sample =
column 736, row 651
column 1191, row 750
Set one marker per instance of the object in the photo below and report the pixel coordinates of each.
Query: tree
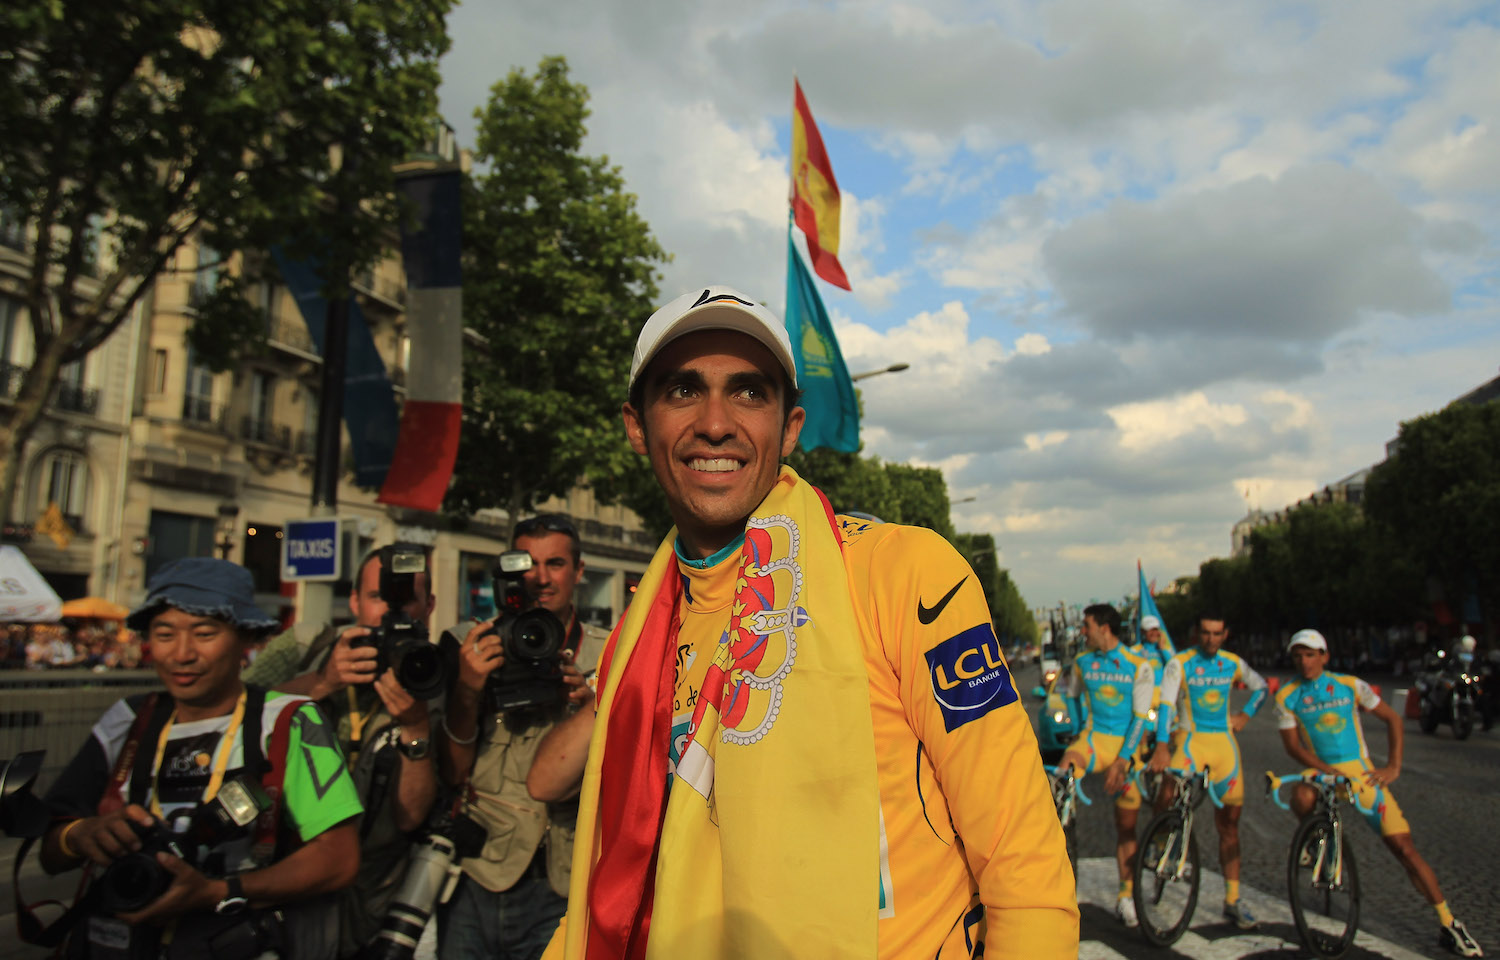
column 1438, row 498
column 128, row 129
column 559, row 272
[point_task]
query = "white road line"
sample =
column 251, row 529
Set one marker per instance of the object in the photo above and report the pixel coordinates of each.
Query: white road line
column 1099, row 884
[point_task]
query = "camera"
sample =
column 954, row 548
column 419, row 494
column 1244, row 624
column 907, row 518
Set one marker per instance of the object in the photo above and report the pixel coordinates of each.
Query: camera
column 136, row 879
column 531, row 638
column 429, row 879
column 401, row 643
column 22, row 813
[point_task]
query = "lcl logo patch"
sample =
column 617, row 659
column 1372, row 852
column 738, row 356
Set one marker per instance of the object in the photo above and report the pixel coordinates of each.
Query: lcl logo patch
column 969, row 676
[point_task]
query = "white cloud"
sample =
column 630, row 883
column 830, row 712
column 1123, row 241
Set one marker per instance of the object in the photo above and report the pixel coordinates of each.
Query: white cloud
column 1146, row 425
column 1032, row 344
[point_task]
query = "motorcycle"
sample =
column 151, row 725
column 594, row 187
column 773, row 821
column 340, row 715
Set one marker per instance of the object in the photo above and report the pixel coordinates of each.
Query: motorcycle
column 1449, row 694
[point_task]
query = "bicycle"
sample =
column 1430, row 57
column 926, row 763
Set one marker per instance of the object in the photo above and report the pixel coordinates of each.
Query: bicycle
column 1067, row 791
column 1166, row 862
column 1322, row 879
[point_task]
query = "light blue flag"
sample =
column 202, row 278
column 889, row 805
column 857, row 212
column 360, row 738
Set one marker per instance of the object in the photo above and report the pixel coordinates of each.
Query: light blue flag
column 827, row 392
column 1147, row 607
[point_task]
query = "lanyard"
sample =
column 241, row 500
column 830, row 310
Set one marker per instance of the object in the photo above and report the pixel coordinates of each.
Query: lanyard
column 221, row 756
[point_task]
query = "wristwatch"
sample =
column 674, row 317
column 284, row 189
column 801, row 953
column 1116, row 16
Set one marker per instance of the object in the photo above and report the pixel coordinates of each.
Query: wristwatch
column 234, row 901
column 413, row 749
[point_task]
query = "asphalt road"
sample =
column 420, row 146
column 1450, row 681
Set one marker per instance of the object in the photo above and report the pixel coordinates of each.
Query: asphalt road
column 1449, row 791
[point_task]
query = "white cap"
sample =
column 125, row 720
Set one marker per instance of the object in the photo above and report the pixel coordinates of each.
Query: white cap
column 1467, row 644
column 1149, row 622
column 1311, row 639
column 714, row 308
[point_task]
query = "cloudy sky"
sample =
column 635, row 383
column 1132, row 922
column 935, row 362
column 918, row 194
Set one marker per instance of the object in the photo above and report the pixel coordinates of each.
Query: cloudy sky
column 1149, row 262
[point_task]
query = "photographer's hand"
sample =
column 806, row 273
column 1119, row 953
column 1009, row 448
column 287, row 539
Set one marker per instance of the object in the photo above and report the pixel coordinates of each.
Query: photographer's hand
column 408, row 712
column 347, row 664
column 579, row 690
column 190, row 892
column 480, row 656
column 107, row 838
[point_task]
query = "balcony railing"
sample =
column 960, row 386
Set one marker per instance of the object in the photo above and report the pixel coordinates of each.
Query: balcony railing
column 266, row 433
column 306, row 443
column 77, row 399
column 203, row 413
column 285, row 332
column 71, row 397
column 374, row 283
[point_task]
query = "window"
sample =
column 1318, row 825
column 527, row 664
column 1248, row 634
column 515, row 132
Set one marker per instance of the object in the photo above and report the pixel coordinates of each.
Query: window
column 10, row 319
column 262, row 400
column 198, row 399
column 206, row 279
column 177, row 535
column 71, row 374
column 263, row 556
column 68, row 487
column 159, row 372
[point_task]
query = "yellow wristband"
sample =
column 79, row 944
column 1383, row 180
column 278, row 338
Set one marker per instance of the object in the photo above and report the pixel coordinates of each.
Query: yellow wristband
column 62, row 840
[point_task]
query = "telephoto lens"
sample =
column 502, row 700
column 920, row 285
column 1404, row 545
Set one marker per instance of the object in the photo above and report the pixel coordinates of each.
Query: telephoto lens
column 431, row 869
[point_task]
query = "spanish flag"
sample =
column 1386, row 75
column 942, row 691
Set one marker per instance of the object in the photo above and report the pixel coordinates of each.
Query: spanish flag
column 815, row 193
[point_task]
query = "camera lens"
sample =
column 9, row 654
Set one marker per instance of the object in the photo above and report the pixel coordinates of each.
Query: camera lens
column 133, row 881
column 421, row 671
column 537, row 636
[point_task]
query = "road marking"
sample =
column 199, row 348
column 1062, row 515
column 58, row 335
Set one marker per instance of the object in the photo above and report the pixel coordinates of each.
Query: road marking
column 1211, row 937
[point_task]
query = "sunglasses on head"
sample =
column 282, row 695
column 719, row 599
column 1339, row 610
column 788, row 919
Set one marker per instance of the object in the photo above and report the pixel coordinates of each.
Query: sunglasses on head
column 551, row 523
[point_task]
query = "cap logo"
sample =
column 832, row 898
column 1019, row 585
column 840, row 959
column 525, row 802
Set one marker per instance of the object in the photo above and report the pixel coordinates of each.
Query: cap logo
column 705, row 298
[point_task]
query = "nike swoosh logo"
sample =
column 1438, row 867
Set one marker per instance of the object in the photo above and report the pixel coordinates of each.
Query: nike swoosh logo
column 929, row 614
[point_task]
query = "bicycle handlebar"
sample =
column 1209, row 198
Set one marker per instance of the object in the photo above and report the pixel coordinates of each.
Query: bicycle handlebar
column 1137, row 772
column 1077, row 784
column 1275, row 783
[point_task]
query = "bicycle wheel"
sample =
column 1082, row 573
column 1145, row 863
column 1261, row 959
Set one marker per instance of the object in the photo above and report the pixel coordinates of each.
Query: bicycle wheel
column 1325, row 909
column 1166, row 879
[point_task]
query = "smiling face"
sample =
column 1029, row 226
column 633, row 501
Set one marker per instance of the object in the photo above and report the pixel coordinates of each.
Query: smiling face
column 198, row 659
column 712, row 423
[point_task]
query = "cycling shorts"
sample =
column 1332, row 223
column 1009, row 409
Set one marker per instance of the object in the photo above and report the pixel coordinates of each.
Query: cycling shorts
column 1386, row 818
column 1220, row 753
column 1098, row 751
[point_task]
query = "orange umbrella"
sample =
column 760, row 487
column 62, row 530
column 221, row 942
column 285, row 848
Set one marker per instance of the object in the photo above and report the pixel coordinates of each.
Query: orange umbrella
column 96, row 608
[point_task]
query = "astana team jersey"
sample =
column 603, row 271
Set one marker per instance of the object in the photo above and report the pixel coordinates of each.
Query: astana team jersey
column 945, row 711
column 1117, row 689
column 1199, row 686
column 1326, row 712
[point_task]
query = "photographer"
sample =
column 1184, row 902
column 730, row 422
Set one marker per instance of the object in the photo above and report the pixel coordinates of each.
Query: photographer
column 510, row 898
column 238, row 796
column 383, row 728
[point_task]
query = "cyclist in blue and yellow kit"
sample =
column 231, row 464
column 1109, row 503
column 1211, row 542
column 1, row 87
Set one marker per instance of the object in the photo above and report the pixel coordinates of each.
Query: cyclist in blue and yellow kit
column 1117, row 686
column 1203, row 676
column 1319, row 719
column 1156, row 646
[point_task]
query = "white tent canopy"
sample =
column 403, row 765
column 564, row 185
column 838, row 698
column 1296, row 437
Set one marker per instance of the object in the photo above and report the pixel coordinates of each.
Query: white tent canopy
column 25, row 596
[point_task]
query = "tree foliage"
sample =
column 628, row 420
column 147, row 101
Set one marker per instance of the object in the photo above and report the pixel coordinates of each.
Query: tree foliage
column 1012, row 618
column 559, row 272
column 128, row 128
column 1439, row 499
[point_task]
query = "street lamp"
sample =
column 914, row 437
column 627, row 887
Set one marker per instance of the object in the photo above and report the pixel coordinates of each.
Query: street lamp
column 893, row 368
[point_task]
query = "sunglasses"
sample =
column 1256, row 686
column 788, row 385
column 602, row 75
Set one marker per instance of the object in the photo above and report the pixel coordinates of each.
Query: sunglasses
column 548, row 522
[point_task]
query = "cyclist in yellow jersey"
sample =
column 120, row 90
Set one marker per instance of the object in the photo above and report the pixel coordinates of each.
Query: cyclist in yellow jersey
column 807, row 739
column 1318, row 714
column 1116, row 686
column 1203, row 677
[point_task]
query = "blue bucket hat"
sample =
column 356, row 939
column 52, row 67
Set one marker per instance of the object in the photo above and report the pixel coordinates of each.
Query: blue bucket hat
column 206, row 587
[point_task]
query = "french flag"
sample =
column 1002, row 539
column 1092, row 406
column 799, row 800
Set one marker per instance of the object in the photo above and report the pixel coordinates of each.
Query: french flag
column 427, row 445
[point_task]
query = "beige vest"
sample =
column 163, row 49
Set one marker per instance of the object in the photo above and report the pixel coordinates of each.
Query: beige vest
column 514, row 823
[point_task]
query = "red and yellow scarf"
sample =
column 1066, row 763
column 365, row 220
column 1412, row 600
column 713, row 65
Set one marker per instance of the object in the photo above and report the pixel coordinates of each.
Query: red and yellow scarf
column 766, row 843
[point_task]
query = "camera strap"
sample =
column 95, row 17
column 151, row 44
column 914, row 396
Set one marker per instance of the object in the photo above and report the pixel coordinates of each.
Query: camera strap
column 273, row 778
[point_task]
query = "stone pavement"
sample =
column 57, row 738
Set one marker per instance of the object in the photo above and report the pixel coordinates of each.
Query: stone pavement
column 1210, row 936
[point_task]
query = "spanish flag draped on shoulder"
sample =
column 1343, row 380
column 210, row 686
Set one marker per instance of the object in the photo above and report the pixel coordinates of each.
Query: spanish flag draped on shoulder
column 815, row 193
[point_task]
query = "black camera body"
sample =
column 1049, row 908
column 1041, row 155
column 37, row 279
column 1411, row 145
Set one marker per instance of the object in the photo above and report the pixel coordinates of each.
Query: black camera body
column 532, row 639
column 136, row 879
column 401, row 643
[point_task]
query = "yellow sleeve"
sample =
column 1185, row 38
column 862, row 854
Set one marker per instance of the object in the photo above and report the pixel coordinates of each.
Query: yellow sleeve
column 961, row 700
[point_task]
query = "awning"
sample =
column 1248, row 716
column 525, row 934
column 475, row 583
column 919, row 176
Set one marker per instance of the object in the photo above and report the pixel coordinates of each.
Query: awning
column 96, row 608
column 25, row 597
